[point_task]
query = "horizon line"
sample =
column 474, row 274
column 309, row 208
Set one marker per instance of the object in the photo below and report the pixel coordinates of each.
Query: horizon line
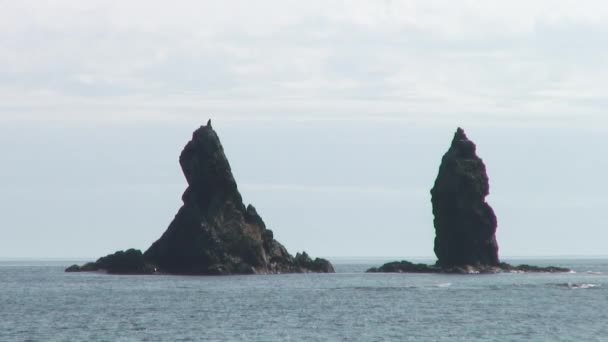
column 343, row 258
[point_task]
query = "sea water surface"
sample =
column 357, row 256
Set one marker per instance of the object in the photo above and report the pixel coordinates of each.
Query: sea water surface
column 39, row 302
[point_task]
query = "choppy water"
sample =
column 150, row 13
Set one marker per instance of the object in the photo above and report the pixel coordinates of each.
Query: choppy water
column 39, row 302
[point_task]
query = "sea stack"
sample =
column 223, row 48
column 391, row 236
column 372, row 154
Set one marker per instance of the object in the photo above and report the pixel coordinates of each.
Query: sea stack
column 213, row 232
column 465, row 224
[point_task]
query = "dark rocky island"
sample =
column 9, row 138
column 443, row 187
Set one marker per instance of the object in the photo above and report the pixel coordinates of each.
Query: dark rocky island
column 465, row 224
column 213, row 233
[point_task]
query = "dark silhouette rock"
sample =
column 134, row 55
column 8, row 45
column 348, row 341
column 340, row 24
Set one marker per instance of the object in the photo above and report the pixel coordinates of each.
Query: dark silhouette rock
column 404, row 267
column 465, row 225
column 531, row 269
column 319, row 265
column 73, row 268
column 213, row 232
column 408, row 267
column 130, row 261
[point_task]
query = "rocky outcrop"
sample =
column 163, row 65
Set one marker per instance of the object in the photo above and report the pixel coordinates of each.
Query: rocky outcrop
column 304, row 262
column 408, row 267
column 404, row 267
column 532, row 269
column 214, row 232
column 130, row 261
column 465, row 225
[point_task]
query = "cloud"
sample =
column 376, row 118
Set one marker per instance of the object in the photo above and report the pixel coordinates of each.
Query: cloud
column 137, row 59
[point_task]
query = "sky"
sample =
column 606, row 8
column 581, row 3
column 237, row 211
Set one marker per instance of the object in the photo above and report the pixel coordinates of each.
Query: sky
column 334, row 116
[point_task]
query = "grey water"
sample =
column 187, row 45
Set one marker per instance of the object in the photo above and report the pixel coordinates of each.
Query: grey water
column 39, row 302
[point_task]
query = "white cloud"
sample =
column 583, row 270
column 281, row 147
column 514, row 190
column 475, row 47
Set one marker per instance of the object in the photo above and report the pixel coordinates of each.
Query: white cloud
column 75, row 59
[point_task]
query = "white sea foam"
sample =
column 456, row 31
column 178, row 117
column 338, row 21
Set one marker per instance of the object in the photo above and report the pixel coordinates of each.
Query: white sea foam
column 578, row 285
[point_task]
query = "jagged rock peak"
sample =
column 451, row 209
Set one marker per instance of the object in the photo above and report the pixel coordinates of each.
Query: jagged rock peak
column 213, row 232
column 462, row 146
column 207, row 169
column 465, row 225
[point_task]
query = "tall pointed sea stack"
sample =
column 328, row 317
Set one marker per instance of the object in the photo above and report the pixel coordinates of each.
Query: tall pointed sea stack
column 465, row 225
column 213, row 232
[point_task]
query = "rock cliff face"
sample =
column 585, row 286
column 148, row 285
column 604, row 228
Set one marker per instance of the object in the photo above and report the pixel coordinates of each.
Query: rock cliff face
column 465, row 225
column 214, row 232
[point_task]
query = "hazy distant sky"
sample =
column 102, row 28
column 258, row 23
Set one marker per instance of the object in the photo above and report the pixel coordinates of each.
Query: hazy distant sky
column 334, row 116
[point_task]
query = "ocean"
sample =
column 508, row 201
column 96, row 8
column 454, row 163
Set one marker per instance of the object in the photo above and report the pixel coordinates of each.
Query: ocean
column 39, row 302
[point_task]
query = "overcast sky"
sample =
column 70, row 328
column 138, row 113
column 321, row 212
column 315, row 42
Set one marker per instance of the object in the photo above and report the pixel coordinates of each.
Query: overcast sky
column 334, row 116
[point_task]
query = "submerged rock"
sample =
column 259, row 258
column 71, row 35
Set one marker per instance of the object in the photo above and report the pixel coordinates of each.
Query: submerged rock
column 214, row 232
column 465, row 225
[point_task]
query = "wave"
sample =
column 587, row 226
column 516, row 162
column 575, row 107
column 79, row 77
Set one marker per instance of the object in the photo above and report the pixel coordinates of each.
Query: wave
column 594, row 272
column 578, row 285
column 394, row 288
